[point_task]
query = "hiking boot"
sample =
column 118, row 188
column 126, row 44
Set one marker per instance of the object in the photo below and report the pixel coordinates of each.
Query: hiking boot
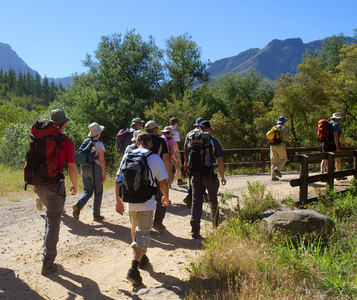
column 144, row 262
column 275, row 179
column 48, row 270
column 98, row 218
column 181, row 182
column 188, row 201
column 134, row 276
column 277, row 172
column 39, row 204
column 159, row 227
column 76, row 211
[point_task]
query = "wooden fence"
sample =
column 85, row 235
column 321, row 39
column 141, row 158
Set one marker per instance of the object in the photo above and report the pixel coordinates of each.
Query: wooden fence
column 304, row 180
column 263, row 153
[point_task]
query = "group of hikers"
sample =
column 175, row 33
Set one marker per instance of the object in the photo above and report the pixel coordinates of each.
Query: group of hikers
column 329, row 133
column 142, row 183
column 144, row 177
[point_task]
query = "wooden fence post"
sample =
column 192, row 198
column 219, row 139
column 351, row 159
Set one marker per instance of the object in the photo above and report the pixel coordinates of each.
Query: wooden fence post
column 355, row 163
column 304, row 174
column 330, row 169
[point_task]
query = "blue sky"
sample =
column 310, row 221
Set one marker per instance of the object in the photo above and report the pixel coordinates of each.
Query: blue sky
column 53, row 37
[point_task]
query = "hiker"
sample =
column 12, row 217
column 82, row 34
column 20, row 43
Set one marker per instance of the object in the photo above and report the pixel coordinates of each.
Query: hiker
column 159, row 147
column 176, row 162
column 278, row 154
column 167, row 134
column 333, row 143
column 188, row 199
column 54, row 196
column 93, row 176
column 124, row 136
column 141, row 214
column 133, row 146
column 202, row 148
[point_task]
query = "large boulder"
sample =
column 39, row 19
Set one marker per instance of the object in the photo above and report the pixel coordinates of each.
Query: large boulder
column 298, row 221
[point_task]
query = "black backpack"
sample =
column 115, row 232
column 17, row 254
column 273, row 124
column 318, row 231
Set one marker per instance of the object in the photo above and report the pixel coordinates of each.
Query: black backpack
column 85, row 153
column 135, row 178
column 41, row 166
column 200, row 152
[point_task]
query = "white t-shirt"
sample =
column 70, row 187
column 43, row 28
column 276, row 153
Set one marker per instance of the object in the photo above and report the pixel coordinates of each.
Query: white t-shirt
column 176, row 136
column 158, row 170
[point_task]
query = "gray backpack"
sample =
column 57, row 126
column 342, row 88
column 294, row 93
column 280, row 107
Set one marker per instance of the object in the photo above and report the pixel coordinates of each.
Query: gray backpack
column 135, row 178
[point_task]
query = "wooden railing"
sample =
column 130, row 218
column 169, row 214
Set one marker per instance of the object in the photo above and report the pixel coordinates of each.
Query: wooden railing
column 264, row 160
column 304, row 180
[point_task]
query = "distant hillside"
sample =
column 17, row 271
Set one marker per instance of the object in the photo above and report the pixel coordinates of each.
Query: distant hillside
column 278, row 57
column 10, row 59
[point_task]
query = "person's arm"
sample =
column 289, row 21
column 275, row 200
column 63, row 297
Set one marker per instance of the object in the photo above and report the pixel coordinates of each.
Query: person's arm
column 221, row 170
column 167, row 161
column 172, row 152
column 176, row 147
column 164, row 187
column 343, row 139
column 119, row 201
column 102, row 164
column 72, row 173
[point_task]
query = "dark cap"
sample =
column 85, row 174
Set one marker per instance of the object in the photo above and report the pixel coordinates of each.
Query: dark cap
column 205, row 124
column 198, row 121
column 58, row 116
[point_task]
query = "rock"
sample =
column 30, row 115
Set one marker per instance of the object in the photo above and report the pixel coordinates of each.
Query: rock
column 298, row 221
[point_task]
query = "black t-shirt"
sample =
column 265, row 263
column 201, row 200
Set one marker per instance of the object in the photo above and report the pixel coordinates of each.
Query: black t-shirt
column 159, row 145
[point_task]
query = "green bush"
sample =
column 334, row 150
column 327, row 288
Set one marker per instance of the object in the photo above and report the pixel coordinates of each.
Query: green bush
column 14, row 145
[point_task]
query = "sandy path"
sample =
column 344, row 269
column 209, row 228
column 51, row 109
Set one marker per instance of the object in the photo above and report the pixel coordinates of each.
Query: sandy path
column 94, row 257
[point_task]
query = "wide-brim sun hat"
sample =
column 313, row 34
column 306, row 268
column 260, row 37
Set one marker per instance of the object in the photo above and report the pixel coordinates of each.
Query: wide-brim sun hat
column 136, row 121
column 58, row 116
column 135, row 135
column 336, row 115
column 282, row 119
column 168, row 129
column 95, row 129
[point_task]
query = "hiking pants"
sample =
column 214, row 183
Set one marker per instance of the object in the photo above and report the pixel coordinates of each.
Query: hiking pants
column 278, row 158
column 200, row 182
column 160, row 211
column 53, row 197
column 92, row 182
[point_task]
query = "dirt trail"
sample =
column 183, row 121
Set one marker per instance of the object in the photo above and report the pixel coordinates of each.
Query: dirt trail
column 94, row 257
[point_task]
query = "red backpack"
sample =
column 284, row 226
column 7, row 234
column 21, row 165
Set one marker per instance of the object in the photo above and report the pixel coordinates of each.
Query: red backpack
column 41, row 166
column 323, row 130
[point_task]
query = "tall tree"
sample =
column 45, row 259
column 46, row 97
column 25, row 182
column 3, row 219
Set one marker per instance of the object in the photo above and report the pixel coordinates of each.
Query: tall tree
column 184, row 65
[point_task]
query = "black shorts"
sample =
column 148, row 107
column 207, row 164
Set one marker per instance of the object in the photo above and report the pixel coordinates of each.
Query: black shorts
column 328, row 147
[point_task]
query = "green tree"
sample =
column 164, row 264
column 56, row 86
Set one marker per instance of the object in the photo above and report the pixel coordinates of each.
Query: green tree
column 303, row 99
column 183, row 65
column 125, row 73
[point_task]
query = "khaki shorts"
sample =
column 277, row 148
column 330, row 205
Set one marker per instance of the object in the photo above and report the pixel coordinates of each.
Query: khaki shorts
column 177, row 164
column 141, row 225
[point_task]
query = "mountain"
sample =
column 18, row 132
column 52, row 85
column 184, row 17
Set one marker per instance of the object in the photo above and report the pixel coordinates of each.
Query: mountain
column 278, row 57
column 10, row 59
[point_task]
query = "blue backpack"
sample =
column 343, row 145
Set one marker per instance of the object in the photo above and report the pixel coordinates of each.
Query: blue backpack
column 85, row 153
